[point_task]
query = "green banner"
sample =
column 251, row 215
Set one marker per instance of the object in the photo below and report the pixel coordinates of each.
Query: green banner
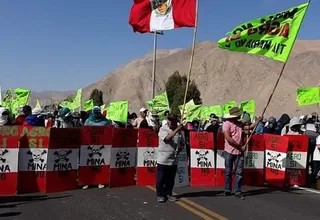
column 74, row 103
column 248, row 106
column 88, row 105
column 206, row 111
column 308, row 96
column 159, row 104
column 272, row 36
column 118, row 111
column 194, row 112
column 229, row 105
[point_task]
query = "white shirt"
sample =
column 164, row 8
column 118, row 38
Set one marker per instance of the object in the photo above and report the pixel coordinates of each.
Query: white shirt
column 164, row 122
column 316, row 152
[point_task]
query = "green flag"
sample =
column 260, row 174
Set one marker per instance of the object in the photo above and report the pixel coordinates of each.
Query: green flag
column 248, row 106
column 118, row 111
column 193, row 112
column 88, row 105
column 7, row 99
column 206, row 111
column 74, row 103
column 229, row 105
column 22, row 98
column 188, row 105
column 38, row 104
column 272, row 36
column 308, row 96
column 159, row 104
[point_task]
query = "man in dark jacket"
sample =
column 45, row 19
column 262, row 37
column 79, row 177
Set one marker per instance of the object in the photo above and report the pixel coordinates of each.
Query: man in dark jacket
column 35, row 119
column 26, row 111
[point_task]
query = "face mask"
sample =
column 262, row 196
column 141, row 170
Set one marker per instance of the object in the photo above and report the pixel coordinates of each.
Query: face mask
column 3, row 119
column 271, row 125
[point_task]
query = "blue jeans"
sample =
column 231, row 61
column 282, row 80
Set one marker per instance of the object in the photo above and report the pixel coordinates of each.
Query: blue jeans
column 237, row 161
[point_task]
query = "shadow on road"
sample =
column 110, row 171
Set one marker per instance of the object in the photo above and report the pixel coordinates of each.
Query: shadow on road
column 9, row 214
column 27, row 199
column 261, row 191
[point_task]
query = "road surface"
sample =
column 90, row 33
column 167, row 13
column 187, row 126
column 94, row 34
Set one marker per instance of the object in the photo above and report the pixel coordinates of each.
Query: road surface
column 140, row 203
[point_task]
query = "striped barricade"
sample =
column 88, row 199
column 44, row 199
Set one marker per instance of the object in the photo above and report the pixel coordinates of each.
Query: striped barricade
column 95, row 152
column 202, row 159
column 123, row 157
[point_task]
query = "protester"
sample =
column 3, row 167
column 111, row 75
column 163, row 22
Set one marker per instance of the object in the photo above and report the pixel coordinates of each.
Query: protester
column 171, row 143
column 270, row 127
column 281, row 123
column 35, row 118
column 143, row 115
column 316, row 161
column 26, row 111
column 4, row 116
column 294, row 127
column 213, row 125
column 64, row 119
column 164, row 121
column 196, row 125
column 97, row 118
column 76, row 120
column 260, row 127
column 234, row 149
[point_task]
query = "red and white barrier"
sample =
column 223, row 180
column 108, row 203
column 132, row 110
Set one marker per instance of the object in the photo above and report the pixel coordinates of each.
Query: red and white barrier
column 276, row 159
column 147, row 157
column 95, row 153
column 254, row 162
column 123, row 157
column 63, row 157
column 202, row 159
column 9, row 139
column 182, row 174
column 220, row 166
column 33, row 155
column 297, row 160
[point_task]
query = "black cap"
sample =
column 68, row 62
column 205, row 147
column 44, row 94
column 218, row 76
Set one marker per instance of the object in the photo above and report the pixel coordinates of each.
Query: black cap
column 172, row 117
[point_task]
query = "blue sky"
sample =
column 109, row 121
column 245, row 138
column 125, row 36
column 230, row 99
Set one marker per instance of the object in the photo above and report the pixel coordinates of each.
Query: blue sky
column 68, row 44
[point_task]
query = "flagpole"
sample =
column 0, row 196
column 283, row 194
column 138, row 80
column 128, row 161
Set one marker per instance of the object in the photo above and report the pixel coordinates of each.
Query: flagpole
column 192, row 57
column 278, row 80
column 155, row 42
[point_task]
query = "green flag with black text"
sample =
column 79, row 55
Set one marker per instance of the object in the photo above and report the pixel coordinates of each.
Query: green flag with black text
column 272, row 36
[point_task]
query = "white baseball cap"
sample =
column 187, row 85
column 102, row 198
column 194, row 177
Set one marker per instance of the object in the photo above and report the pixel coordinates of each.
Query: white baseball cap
column 143, row 109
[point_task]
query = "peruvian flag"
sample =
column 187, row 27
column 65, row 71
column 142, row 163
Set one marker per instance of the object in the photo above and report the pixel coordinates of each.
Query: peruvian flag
column 160, row 15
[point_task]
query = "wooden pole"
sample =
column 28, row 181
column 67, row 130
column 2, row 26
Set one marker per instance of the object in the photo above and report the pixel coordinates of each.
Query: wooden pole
column 192, row 57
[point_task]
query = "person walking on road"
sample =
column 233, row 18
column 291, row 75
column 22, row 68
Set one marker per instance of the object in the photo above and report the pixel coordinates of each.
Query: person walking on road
column 234, row 149
column 171, row 143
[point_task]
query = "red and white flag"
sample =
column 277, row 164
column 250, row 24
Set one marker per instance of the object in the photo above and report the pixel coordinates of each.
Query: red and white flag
column 160, row 15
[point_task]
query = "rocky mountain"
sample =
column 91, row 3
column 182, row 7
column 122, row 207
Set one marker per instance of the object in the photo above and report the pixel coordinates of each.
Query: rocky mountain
column 220, row 75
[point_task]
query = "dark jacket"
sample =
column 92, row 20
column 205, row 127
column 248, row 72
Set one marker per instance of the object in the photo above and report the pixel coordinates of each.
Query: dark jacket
column 34, row 120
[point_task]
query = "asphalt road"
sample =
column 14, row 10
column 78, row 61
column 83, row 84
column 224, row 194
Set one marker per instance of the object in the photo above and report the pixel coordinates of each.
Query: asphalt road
column 140, row 203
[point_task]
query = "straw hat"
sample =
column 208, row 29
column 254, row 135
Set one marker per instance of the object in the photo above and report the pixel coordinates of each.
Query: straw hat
column 234, row 112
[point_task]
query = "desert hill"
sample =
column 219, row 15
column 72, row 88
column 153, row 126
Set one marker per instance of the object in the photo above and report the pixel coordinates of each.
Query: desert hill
column 220, row 75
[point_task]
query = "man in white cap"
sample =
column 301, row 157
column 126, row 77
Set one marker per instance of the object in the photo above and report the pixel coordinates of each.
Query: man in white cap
column 143, row 115
column 234, row 148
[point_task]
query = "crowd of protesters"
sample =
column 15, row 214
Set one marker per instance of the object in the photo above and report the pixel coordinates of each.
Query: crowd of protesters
column 174, row 136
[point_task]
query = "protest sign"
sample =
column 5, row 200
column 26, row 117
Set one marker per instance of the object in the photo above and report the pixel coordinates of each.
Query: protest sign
column 202, row 159
column 95, row 154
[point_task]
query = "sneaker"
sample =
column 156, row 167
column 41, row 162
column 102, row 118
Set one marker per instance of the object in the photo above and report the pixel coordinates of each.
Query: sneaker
column 172, row 199
column 239, row 196
column 100, row 186
column 85, row 187
column 227, row 193
column 161, row 199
